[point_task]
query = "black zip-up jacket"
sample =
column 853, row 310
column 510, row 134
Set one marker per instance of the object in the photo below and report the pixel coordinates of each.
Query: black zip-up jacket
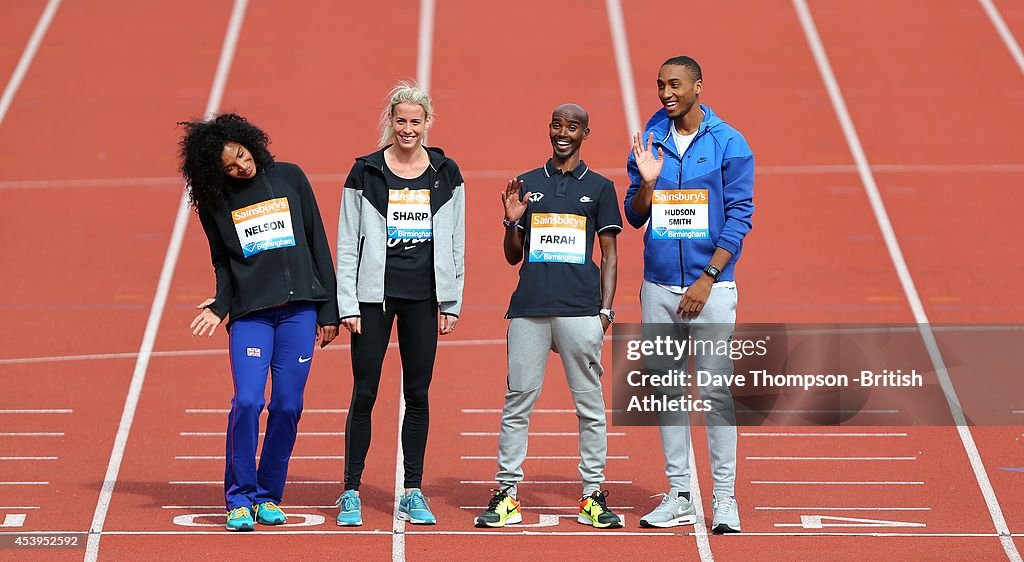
column 279, row 265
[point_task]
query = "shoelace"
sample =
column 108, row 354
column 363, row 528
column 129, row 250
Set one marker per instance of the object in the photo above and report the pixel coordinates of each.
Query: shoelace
column 665, row 499
column 417, row 501
column 498, row 497
column 728, row 504
column 601, row 499
column 237, row 512
column 346, row 501
column 269, row 506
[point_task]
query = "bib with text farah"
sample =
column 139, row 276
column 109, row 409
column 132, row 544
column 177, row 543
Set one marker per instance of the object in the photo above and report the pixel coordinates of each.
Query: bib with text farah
column 679, row 213
column 409, row 214
column 264, row 226
column 558, row 237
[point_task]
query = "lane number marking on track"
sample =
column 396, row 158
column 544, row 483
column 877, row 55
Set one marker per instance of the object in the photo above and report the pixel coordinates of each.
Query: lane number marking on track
column 823, row 521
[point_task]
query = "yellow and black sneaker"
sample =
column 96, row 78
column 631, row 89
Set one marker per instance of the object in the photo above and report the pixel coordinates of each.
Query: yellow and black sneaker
column 594, row 512
column 502, row 510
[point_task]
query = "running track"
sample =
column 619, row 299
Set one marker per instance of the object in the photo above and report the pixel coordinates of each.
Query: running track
column 104, row 384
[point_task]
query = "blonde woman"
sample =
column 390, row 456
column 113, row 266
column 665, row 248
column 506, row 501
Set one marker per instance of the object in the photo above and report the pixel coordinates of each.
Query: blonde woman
column 401, row 255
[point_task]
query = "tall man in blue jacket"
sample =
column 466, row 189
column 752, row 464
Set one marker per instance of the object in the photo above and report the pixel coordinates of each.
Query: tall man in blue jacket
column 696, row 197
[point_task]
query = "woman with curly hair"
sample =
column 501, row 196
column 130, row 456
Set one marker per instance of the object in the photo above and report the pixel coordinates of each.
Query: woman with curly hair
column 401, row 254
column 275, row 283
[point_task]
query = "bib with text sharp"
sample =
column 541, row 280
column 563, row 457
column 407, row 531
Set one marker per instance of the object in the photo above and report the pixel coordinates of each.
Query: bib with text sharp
column 679, row 213
column 409, row 214
column 264, row 226
column 558, row 237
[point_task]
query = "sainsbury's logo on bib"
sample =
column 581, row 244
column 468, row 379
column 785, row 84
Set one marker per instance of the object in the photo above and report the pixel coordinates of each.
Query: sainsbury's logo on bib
column 264, row 226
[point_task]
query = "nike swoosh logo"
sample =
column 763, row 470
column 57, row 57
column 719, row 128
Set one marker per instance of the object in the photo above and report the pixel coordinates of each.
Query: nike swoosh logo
column 305, row 359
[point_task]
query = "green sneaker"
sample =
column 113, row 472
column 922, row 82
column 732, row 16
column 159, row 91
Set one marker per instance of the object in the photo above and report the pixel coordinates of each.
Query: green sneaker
column 594, row 512
column 240, row 519
column 502, row 510
column 267, row 513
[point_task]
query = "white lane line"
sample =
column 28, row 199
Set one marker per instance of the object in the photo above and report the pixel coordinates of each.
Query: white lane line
column 221, row 482
column 332, row 506
column 292, row 458
column 830, row 434
column 604, row 533
column 28, row 458
column 31, row 434
column 537, row 411
column 156, row 312
column 544, row 482
column 840, row 482
column 262, row 433
column 906, row 280
column 58, row 411
column 541, row 457
column 812, row 509
column 398, row 525
column 777, row 170
column 624, row 65
column 550, row 507
column 11, row 483
column 536, row 434
column 831, row 458
column 206, row 352
column 304, row 411
column 700, row 529
column 850, row 411
column 425, row 44
column 1004, row 32
column 26, row 57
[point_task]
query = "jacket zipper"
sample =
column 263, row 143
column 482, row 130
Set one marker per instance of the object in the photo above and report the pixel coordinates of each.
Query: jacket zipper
column 284, row 255
column 679, row 182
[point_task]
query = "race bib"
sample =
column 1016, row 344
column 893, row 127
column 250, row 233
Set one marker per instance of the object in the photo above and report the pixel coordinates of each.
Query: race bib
column 409, row 214
column 264, row 226
column 679, row 213
column 557, row 237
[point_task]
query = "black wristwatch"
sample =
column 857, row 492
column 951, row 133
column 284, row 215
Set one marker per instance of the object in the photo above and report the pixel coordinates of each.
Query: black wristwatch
column 713, row 271
column 608, row 313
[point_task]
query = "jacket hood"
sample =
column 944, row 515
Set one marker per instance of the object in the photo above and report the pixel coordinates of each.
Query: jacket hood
column 376, row 159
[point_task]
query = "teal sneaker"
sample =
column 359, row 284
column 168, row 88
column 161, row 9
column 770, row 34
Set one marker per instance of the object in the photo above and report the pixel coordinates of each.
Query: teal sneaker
column 267, row 513
column 412, row 507
column 351, row 512
column 240, row 519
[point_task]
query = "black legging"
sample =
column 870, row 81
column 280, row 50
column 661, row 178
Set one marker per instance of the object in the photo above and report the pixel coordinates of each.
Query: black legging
column 417, row 344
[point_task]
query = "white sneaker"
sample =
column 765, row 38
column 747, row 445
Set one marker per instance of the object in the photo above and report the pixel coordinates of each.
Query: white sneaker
column 671, row 512
column 727, row 514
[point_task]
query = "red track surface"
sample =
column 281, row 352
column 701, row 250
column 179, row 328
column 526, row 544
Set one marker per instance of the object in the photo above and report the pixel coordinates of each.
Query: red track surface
column 927, row 84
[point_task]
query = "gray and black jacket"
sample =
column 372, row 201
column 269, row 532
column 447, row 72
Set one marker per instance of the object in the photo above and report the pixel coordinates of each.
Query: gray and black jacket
column 362, row 233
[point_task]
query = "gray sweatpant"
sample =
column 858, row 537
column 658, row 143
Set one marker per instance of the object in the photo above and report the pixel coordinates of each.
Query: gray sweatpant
column 716, row 322
column 578, row 340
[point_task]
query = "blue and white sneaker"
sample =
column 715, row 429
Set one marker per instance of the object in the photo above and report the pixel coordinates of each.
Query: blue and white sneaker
column 351, row 512
column 268, row 513
column 727, row 514
column 240, row 519
column 412, row 507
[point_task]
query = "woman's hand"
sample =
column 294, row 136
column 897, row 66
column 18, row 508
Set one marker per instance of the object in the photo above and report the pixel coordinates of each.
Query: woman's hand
column 447, row 324
column 352, row 324
column 207, row 319
column 326, row 334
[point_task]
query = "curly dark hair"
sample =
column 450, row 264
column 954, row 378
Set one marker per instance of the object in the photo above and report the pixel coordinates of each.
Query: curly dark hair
column 200, row 153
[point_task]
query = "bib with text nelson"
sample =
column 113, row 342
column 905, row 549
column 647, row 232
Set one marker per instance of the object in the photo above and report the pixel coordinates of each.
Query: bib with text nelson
column 264, row 226
column 409, row 214
column 558, row 237
column 679, row 213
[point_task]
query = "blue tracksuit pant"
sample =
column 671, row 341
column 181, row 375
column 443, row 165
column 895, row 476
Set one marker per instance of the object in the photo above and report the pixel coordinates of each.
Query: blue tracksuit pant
column 279, row 340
